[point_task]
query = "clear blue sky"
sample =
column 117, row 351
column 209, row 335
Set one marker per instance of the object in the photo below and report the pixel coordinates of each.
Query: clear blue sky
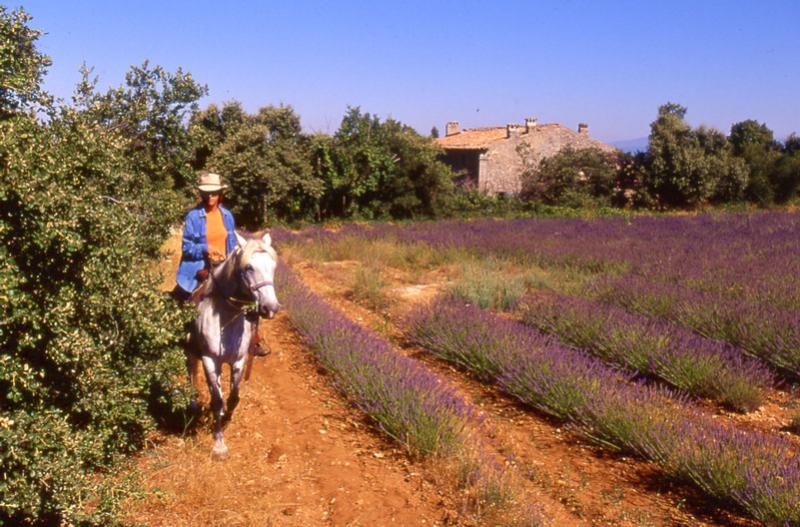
column 486, row 63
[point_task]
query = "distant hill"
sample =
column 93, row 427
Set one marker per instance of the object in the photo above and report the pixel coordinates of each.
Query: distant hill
column 631, row 145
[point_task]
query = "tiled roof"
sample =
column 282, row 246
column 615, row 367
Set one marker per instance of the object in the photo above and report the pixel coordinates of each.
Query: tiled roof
column 543, row 134
column 470, row 139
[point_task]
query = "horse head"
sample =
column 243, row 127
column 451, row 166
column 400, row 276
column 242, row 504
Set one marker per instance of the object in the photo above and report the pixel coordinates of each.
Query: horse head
column 256, row 264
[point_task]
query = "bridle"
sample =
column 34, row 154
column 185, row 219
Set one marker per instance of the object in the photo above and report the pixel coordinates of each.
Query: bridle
column 258, row 285
column 244, row 303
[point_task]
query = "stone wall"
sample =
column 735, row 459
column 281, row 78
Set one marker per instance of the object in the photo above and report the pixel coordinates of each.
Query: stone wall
column 502, row 165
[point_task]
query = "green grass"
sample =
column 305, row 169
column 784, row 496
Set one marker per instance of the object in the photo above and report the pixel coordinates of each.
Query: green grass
column 368, row 287
column 498, row 283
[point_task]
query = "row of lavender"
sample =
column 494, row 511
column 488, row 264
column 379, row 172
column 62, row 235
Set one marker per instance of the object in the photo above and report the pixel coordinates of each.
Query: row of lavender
column 766, row 332
column 653, row 348
column 759, row 472
column 728, row 277
column 405, row 400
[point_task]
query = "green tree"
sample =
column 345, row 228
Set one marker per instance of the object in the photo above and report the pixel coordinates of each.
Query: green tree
column 786, row 174
column 573, row 177
column 385, row 169
column 751, row 132
column 792, row 144
column 265, row 158
column 434, row 133
column 22, row 66
column 755, row 145
column 688, row 167
column 150, row 110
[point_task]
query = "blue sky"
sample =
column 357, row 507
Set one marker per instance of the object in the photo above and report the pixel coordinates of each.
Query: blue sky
column 610, row 64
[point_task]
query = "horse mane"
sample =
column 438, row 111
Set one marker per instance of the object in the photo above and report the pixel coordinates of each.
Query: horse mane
column 255, row 245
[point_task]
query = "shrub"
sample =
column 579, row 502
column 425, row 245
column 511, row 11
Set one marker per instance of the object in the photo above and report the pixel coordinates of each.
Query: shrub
column 572, row 177
column 89, row 356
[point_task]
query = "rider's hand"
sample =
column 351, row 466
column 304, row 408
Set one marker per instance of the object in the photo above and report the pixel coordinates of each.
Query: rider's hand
column 215, row 256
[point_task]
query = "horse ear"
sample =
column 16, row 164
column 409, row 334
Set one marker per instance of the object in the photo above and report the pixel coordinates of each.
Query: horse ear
column 267, row 239
column 241, row 241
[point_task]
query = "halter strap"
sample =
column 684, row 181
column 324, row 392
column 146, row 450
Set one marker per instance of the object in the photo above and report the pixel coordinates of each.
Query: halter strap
column 259, row 285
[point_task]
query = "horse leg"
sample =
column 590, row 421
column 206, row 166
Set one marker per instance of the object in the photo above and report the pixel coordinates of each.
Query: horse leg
column 191, row 367
column 213, row 371
column 237, row 368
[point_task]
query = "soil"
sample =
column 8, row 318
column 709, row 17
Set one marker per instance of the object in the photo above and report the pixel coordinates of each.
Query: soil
column 301, row 456
column 596, row 487
column 298, row 456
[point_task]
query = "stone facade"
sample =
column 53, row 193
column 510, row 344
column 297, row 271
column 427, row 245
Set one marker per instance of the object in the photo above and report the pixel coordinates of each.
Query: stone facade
column 493, row 159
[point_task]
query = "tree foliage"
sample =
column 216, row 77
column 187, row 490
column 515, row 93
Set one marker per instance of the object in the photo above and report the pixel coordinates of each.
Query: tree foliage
column 89, row 360
column 150, row 110
column 755, row 144
column 22, row 66
column 383, row 169
column 572, row 177
column 368, row 168
column 264, row 157
column 687, row 167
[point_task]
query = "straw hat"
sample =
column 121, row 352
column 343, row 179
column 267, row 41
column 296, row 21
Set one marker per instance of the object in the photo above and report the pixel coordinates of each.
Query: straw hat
column 210, row 182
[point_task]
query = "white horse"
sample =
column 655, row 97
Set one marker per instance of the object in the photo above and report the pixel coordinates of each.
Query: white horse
column 225, row 324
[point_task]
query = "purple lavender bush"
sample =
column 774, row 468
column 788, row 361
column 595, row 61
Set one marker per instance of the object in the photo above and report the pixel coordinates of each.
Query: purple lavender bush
column 756, row 471
column 655, row 348
column 406, row 401
column 767, row 333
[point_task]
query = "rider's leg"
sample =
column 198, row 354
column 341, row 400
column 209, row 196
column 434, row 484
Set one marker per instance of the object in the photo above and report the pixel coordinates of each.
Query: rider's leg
column 256, row 348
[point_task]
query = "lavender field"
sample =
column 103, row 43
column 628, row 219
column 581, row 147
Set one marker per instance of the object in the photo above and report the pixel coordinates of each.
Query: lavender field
column 635, row 332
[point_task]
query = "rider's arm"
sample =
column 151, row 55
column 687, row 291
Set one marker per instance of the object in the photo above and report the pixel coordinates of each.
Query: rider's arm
column 230, row 225
column 195, row 246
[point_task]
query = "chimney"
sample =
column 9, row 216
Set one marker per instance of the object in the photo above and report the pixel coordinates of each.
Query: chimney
column 530, row 124
column 583, row 128
column 512, row 129
column 452, row 128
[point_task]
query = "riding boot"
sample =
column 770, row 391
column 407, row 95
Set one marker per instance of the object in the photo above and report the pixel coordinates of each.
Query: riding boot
column 255, row 343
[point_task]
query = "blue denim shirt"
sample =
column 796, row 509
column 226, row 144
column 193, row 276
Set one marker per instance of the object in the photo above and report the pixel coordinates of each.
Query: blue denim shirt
column 195, row 245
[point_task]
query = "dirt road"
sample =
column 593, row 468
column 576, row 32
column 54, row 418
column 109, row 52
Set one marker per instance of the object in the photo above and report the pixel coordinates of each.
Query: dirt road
column 298, row 456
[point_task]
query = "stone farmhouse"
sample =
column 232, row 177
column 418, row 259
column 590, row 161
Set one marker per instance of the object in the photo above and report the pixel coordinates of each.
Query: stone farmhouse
column 493, row 159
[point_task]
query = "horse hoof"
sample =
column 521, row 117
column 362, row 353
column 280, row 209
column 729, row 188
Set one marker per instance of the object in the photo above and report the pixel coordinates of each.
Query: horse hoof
column 219, row 453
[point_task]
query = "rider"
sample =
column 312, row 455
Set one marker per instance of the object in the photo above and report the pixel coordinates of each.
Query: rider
column 208, row 238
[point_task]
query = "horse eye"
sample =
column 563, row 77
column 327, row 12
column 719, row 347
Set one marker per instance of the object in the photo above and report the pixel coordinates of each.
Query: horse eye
column 248, row 267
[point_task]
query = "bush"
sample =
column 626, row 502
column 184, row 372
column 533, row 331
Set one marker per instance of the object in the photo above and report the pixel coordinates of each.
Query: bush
column 89, row 348
column 576, row 178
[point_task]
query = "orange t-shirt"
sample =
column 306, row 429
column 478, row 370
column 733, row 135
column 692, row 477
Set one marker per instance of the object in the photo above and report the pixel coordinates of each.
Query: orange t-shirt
column 216, row 235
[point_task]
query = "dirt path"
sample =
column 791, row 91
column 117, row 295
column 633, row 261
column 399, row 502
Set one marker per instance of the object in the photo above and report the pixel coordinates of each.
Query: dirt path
column 595, row 487
column 298, row 456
